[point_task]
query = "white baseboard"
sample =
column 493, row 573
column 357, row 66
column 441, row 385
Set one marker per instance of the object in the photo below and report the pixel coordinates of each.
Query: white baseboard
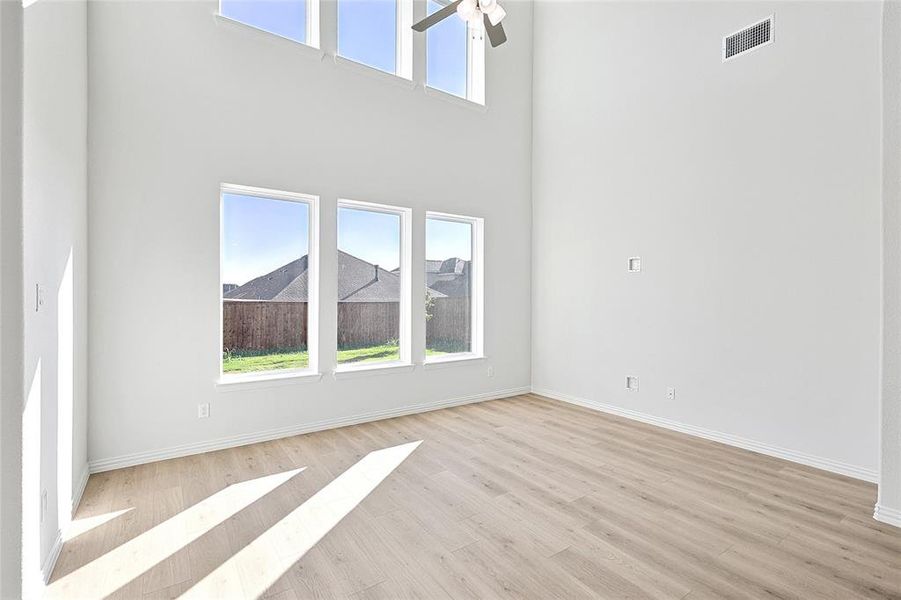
column 50, row 561
column 139, row 458
column 825, row 464
column 79, row 488
column 884, row 514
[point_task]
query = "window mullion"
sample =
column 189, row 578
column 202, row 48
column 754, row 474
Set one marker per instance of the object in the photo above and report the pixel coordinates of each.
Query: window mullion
column 312, row 7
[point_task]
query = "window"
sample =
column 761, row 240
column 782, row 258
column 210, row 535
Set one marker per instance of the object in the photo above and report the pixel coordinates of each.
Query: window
column 455, row 56
column 268, row 281
column 373, row 284
column 296, row 20
column 453, row 294
column 377, row 33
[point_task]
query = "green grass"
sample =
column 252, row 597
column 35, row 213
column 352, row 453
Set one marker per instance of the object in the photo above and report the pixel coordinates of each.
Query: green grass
column 251, row 362
column 385, row 352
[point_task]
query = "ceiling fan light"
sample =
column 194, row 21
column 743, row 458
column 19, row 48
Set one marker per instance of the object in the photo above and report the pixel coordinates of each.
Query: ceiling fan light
column 496, row 14
column 487, row 6
column 468, row 10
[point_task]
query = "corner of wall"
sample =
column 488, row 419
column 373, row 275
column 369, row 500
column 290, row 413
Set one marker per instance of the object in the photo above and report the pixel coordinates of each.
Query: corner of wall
column 888, row 508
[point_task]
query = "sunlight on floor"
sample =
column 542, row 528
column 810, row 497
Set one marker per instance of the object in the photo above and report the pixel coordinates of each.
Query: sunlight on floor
column 80, row 526
column 253, row 570
column 109, row 572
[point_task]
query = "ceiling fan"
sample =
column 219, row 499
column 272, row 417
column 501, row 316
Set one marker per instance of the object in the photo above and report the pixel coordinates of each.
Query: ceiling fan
column 472, row 11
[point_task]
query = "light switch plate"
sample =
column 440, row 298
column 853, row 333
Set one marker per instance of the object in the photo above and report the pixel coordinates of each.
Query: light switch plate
column 635, row 264
column 38, row 297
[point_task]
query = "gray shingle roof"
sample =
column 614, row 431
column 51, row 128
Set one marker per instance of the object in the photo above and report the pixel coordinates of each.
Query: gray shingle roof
column 449, row 277
column 358, row 281
column 454, row 285
column 287, row 283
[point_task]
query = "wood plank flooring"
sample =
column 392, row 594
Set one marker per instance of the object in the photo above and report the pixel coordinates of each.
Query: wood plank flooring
column 517, row 498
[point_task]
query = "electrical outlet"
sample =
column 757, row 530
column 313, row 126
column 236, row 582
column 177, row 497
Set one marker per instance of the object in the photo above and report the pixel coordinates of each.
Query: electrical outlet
column 203, row 410
column 43, row 505
column 632, row 383
column 490, row 371
column 670, row 393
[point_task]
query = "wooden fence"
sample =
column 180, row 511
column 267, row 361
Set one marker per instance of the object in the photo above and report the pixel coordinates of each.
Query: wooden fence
column 363, row 324
column 450, row 325
column 253, row 325
column 263, row 325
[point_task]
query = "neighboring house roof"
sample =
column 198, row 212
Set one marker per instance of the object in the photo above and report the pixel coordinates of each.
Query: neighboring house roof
column 361, row 281
column 449, row 277
column 358, row 281
column 453, row 285
column 287, row 283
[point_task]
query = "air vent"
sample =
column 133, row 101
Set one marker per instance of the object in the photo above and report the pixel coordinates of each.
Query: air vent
column 755, row 36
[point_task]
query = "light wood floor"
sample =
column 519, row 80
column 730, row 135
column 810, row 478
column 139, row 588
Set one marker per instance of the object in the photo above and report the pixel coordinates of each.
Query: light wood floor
column 518, row 498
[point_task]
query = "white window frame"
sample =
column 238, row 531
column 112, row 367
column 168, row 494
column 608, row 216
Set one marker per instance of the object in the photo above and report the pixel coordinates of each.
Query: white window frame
column 406, row 260
column 475, row 61
column 313, row 26
column 477, row 270
column 403, row 44
column 312, row 368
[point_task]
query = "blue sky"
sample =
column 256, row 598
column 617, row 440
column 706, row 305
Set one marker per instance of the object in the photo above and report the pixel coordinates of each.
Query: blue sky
column 372, row 236
column 287, row 18
column 261, row 234
column 447, row 239
column 446, row 54
column 367, row 33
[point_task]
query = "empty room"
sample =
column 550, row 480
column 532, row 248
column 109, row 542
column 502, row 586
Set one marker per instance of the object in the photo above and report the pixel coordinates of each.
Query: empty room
column 440, row 299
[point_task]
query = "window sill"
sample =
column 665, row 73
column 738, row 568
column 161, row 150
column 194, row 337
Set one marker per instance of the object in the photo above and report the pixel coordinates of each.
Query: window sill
column 452, row 99
column 373, row 72
column 236, row 383
column 387, row 368
column 452, row 360
column 311, row 51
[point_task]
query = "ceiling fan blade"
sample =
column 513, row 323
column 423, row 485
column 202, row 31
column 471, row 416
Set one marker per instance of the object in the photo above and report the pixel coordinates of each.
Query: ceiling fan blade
column 496, row 33
column 437, row 16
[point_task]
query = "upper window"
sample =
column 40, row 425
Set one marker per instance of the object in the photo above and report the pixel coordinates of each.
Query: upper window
column 268, row 278
column 455, row 56
column 373, row 259
column 296, row 20
column 453, row 286
column 376, row 33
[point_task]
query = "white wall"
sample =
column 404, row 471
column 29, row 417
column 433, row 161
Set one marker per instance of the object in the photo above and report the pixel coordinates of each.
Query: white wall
column 751, row 190
column 55, row 174
column 889, row 507
column 181, row 101
column 11, row 310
